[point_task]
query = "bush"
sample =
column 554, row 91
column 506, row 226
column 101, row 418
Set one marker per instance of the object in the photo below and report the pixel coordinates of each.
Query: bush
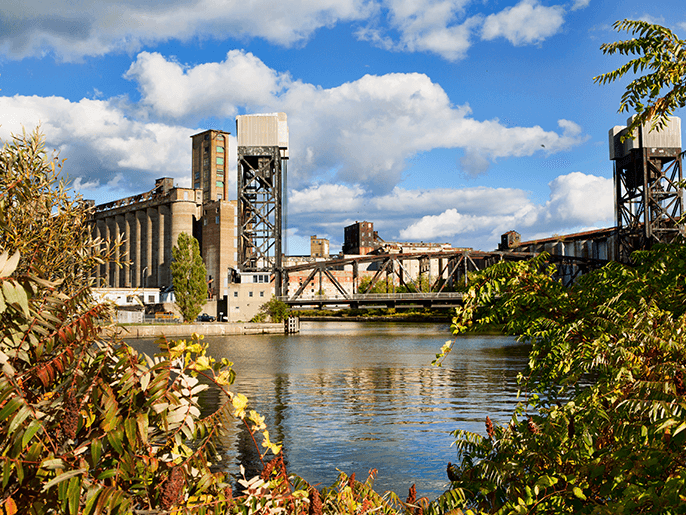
column 88, row 424
column 602, row 426
column 274, row 310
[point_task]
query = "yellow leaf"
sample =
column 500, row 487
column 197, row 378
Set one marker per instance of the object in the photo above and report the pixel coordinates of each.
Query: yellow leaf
column 10, row 506
column 257, row 420
column 275, row 448
column 240, row 402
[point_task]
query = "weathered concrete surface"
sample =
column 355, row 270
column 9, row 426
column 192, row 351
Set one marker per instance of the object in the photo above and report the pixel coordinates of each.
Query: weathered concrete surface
column 209, row 329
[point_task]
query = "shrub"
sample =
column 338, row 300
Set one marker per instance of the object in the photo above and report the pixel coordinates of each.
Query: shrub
column 601, row 429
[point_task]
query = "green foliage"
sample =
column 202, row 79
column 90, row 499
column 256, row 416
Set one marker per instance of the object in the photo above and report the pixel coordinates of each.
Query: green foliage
column 662, row 56
column 41, row 221
column 379, row 287
column 188, row 274
column 423, row 283
column 274, row 310
column 601, row 429
column 87, row 424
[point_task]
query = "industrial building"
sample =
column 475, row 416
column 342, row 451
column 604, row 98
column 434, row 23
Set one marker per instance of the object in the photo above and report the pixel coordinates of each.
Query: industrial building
column 240, row 240
column 648, row 199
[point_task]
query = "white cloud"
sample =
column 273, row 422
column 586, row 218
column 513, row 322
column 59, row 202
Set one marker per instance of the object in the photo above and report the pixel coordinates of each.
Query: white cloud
column 580, row 4
column 332, row 198
column 580, row 199
column 449, row 224
column 446, row 27
column 101, row 143
column 360, row 132
column 173, row 90
column 528, row 22
column 576, row 200
column 73, row 30
column 425, row 25
column 474, row 217
column 92, row 27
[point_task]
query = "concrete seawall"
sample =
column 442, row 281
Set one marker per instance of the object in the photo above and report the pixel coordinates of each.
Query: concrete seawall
column 186, row 330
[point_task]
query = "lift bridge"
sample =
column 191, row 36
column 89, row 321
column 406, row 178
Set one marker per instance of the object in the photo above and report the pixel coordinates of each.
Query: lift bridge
column 452, row 268
column 648, row 208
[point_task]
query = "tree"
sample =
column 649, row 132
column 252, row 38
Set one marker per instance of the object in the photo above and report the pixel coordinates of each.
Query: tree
column 655, row 95
column 275, row 309
column 602, row 427
column 188, row 275
column 42, row 221
column 88, row 425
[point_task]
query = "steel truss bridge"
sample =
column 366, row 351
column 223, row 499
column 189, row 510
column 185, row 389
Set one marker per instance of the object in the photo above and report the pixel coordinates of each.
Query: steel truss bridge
column 453, row 269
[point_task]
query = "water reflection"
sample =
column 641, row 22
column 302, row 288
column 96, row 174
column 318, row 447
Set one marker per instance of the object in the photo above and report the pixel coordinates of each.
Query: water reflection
column 358, row 396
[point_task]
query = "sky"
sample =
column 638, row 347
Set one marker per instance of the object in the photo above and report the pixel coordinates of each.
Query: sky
column 437, row 120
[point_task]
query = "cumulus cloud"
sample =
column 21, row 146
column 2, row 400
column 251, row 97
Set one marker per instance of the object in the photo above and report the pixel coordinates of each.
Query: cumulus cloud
column 474, row 217
column 361, row 132
column 425, row 25
column 101, row 143
column 528, row 22
column 447, row 27
column 173, row 90
column 333, row 198
column 73, row 30
column 576, row 200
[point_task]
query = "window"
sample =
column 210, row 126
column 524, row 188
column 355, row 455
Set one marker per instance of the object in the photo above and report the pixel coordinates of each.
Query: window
column 249, row 294
column 261, row 294
column 220, row 161
column 220, row 150
column 235, row 294
column 151, row 299
column 205, row 221
column 219, row 196
column 220, row 184
column 216, row 220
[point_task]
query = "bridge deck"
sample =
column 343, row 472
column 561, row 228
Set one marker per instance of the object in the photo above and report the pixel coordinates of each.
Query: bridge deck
column 388, row 300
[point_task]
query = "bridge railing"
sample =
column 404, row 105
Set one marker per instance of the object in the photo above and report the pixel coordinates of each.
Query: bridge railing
column 375, row 296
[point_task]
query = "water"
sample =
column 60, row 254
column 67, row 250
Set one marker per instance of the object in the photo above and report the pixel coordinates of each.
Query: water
column 357, row 396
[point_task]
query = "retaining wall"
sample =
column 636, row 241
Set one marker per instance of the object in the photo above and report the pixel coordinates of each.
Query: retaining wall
column 186, row 330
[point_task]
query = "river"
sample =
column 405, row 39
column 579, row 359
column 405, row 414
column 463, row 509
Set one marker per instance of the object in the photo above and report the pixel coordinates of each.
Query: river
column 360, row 396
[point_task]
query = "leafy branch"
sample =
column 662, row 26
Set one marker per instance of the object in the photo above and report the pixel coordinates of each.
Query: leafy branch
column 661, row 57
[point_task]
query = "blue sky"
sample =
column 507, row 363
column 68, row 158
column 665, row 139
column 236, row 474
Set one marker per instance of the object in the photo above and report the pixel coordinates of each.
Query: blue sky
column 438, row 120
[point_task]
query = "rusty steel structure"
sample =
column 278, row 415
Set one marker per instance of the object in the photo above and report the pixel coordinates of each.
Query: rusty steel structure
column 259, row 208
column 453, row 269
column 648, row 194
column 261, row 167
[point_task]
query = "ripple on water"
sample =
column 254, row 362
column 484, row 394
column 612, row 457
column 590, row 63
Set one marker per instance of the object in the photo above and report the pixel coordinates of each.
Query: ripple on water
column 357, row 396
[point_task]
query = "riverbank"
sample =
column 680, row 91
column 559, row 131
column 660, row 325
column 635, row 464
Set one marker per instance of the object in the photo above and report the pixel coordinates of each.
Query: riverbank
column 376, row 315
column 378, row 318
column 207, row 329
